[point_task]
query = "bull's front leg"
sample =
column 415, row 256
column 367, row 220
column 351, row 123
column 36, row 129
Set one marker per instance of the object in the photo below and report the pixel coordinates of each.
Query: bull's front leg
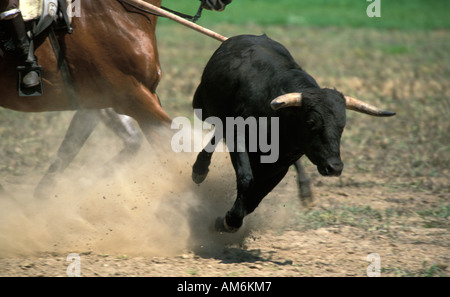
column 201, row 166
column 263, row 181
column 304, row 184
column 244, row 180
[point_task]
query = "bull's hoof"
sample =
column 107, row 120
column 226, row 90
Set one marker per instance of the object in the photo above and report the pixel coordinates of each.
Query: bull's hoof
column 306, row 194
column 199, row 178
column 307, row 202
column 222, row 226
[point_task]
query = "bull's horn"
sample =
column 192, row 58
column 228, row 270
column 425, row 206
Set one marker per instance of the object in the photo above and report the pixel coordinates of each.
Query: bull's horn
column 359, row 106
column 286, row 100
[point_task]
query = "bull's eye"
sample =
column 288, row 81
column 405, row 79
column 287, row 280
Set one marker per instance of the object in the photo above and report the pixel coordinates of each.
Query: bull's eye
column 312, row 125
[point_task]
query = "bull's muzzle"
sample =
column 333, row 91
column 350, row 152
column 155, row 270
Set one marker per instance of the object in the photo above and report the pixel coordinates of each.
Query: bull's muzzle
column 331, row 168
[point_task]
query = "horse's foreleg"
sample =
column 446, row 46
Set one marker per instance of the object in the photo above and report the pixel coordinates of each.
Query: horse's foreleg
column 81, row 126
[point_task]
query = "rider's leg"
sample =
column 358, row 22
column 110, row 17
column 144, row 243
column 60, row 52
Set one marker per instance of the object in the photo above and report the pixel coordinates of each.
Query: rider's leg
column 13, row 16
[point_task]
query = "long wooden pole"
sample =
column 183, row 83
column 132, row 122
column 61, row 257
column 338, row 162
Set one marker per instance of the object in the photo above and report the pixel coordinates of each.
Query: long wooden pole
column 178, row 19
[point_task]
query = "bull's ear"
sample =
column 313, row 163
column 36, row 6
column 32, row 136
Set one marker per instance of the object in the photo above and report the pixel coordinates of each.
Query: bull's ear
column 360, row 106
column 286, row 100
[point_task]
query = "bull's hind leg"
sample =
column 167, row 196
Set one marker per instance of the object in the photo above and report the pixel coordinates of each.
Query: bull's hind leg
column 201, row 166
column 304, row 184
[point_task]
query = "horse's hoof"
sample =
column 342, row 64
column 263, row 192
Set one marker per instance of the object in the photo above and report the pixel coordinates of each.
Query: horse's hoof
column 198, row 178
column 44, row 188
column 222, row 226
column 2, row 191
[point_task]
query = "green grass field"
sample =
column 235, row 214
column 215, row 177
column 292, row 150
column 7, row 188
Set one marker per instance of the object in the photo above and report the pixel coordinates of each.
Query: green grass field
column 395, row 14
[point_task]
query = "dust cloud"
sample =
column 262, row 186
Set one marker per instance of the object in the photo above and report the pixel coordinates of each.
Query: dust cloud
column 148, row 206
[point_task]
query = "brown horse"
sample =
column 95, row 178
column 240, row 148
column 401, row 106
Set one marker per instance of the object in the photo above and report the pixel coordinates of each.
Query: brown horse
column 113, row 60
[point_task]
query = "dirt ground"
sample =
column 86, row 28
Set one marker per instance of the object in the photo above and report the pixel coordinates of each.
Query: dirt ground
column 133, row 236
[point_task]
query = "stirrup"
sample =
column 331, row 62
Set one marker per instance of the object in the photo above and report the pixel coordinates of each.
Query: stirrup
column 33, row 91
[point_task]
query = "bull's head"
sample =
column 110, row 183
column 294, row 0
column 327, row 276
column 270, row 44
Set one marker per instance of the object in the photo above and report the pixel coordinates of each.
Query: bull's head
column 324, row 121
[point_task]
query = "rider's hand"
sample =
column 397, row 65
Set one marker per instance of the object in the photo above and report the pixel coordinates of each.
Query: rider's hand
column 217, row 5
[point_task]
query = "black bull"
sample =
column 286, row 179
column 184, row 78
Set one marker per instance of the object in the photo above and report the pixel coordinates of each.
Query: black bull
column 254, row 76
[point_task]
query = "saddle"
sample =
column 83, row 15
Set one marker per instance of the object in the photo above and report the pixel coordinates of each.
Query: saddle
column 38, row 16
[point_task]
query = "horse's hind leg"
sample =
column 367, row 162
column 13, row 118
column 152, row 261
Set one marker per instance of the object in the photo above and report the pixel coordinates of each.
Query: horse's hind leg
column 81, row 126
column 124, row 127
column 304, row 184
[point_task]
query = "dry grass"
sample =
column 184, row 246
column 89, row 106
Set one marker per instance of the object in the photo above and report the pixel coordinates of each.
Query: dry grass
column 404, row 71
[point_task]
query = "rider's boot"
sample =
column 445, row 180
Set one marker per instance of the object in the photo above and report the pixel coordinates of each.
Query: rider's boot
column 31, row 78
